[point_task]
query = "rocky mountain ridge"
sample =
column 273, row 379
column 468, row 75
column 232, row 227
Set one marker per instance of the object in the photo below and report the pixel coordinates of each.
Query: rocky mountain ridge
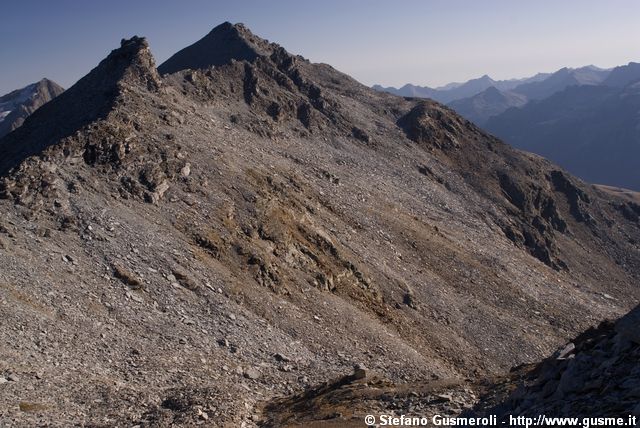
column 182, row 248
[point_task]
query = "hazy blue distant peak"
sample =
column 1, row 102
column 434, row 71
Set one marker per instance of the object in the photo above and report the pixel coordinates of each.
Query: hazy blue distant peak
column 623, row 75
column 538, row 86
column 595, row 67
column 451, row 85
column 458, row 90
column 591, row 130
column 486, row 104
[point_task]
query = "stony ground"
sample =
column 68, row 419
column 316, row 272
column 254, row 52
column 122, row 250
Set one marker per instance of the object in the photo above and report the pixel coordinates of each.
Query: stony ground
column 193, row 248
column 595, row 375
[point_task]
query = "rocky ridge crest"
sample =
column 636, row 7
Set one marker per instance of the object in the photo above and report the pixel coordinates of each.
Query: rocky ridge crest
column 194, row 225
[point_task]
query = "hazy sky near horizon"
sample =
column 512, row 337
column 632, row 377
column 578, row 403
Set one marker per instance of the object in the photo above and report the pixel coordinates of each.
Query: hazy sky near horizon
column 425, row 42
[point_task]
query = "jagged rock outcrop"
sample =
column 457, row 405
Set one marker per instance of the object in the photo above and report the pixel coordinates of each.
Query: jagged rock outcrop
column 17, row 105
column 428, row 123
column 595, row 375
column 87, row 123
column 91, row 99
column 165, row 236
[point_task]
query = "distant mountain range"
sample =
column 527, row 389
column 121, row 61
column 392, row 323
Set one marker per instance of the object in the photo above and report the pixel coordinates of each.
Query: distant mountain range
column 17, row 105
column 470, row 101
column 494, row 100
column 456, row 91
column 561, row 79
column 586, row 119
column 591, row 130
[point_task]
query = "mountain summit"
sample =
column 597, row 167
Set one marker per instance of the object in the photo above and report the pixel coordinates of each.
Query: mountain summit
column 224, row 43
column 186, row 247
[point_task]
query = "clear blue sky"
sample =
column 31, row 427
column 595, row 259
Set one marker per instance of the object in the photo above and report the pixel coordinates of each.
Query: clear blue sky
column 427, row 42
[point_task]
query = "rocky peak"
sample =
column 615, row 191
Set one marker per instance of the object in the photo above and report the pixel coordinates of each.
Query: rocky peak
column 224, row 43
column 130, row 67
column 623, row 75
column 131, row 63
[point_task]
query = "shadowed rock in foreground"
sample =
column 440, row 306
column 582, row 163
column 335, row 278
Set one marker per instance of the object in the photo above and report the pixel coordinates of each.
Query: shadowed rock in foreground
column 595, row 375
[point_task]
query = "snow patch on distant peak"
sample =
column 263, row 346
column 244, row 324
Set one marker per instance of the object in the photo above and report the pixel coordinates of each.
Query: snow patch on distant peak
column 4, row 114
